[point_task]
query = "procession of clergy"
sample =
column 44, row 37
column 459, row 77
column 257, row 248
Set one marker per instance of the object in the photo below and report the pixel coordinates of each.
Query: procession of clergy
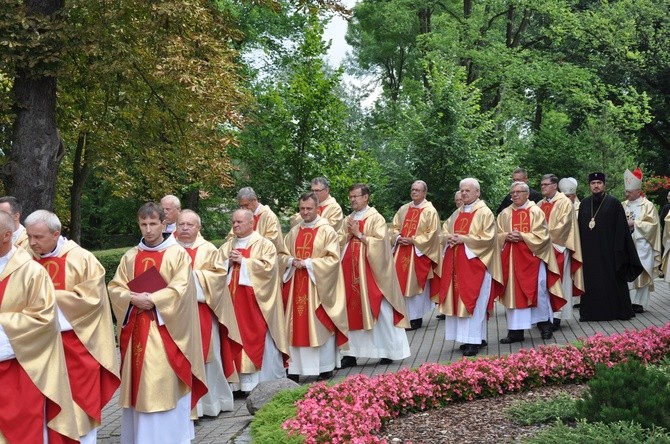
column 198, row 324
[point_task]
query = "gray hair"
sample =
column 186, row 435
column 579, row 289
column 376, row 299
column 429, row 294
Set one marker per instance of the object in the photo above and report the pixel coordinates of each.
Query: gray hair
column 320, row 181
column 46, row 217
column 248, row 215
column 197, row 216
column 423, row 184
column 521, row 171
column 6, row 222
column 471, row 181
column 247, row 193
column 523, row 185
column 173, row 199
column 550, row 177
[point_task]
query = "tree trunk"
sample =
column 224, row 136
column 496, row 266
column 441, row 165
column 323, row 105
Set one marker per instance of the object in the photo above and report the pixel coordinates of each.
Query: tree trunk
column 81, row 169
column 37, row 149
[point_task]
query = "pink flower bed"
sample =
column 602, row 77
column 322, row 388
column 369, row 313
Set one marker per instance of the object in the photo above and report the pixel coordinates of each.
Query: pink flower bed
column 354, row 410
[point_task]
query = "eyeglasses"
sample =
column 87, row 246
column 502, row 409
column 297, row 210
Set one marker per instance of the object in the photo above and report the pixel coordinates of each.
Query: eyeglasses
column 317, row 191
column 547, row 184
column 354, row 196
column 517, row 192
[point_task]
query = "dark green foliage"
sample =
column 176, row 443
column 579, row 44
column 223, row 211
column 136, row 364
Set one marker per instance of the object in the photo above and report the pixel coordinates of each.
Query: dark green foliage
column 627, row 392
column 266, row 426
column 621, row 432
column 110, row 260
column 561, row 407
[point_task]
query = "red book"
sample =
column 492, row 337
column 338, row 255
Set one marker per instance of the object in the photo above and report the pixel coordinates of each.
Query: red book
column 149, row 282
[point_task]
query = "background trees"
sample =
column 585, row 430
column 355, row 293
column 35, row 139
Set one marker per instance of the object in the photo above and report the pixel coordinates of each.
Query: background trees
column 198, row 98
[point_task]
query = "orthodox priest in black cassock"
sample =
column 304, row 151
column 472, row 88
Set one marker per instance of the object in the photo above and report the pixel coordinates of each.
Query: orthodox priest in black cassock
column 609, row 256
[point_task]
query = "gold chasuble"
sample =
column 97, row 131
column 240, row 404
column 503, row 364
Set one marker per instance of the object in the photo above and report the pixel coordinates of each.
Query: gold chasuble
column 521, row 260
column 564, row 232
column 35, row 382
column 462, row 276
column 160, row 361
column 329, row 209
column 211, row 274
column 369, row 274
column 315, row 310
column 258, row 308
column 647, row 226
column 422, row 224
column 266, row 223
column 90, row 350
column 22, row 240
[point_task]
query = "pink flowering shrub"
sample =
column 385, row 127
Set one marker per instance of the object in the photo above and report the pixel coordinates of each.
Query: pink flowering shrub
column 354, row 410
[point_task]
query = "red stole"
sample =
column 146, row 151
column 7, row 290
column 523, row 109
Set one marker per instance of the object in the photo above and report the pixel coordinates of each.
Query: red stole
column 299, row 303
column 257, row 217
column 26, row 423
column 55, row 266
column 352, row 279
column 91, row 384
column 205, row 313
column 526, row 265
column 404, row 253
column 250, row 319
column 466, row 274
column 321, row 209
column 136, row 331
column 546, row 207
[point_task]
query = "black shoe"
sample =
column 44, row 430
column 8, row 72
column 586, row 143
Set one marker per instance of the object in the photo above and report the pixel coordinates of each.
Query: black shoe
column 323, row 376
column 441, row 317
column 385, row 361
column 415, row 324
column 512, row 337
column 638, row 308
column 482, row 345
column 294, row 378
column 556, row 325
column 239, row 394
column 547, row 333
column 470, row 349
column 348, row 361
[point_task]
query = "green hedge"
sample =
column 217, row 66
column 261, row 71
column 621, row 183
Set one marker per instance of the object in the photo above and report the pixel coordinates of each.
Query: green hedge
column 110, row 258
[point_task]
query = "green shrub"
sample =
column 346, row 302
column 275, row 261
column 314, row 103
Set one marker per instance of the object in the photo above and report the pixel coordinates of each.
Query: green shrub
column 110, row 260
column 266, row 426
column 627, row 392
column 621, row 432
column 562, row 406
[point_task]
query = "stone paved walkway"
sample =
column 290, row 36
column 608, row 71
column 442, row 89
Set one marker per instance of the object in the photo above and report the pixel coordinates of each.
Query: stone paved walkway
column 427, row 345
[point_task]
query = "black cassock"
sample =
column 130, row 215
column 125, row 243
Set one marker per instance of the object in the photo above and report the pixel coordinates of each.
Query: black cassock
column 610, row 260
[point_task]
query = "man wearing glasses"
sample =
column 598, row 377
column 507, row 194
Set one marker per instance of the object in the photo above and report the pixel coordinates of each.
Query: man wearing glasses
column 375, row 306
column 328, row 208
column 532, row 279
column 416, row 251
column 519, row 175
column 562, row 224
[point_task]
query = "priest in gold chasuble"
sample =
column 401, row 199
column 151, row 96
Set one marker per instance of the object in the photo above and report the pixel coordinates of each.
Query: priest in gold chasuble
column 85, row 319
column 564, row 232
column 220, row 334
column 471, row 274
column 415, row 233
column 313, row 293
column 254, row 284
column 34, row 389
column 328, row 208
column 532, row 278
column 644, row 226
column 376, row 309
column 162, row 368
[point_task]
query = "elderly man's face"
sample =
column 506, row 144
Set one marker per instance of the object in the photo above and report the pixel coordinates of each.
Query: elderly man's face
column 519, row 195
column 187, row 227
column 548, row 188
column 243, row 226
column 41, row 239
column 170, row 210
column 417, row 192
column 632, row 195
column 469, row 193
